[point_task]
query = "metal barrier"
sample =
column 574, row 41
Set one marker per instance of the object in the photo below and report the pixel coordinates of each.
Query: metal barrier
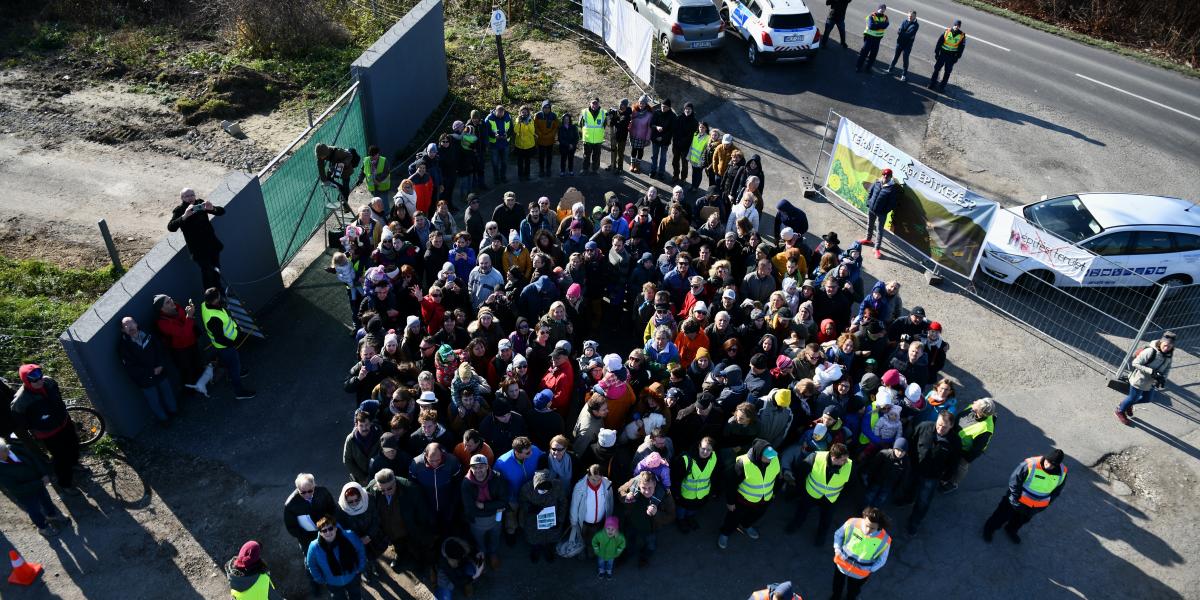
column 1101, row 326
column 571, row 22
column 297, row 202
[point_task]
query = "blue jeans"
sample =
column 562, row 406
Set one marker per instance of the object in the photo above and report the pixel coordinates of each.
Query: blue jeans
column 901, row 52
column 233, row 366
column 924, row 497
column 877, row 495
column 658, row 157
column 604, row 566
column 160, row 398
column 1136, row 396
column 682, row 513
column 487, row 538
column 499, row 162
column 841, row 27
column 39, row 506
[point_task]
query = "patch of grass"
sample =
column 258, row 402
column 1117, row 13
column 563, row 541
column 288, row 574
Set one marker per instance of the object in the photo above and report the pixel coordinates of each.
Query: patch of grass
column 132, row 46
column 38, row 302
column 320, row 76
column 203, row 60
column 1134, row 53
column 475, row 68
column 215, row 106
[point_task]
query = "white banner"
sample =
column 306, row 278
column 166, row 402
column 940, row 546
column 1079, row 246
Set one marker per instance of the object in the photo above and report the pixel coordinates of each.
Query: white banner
column 1014, row 235
column 628, row 33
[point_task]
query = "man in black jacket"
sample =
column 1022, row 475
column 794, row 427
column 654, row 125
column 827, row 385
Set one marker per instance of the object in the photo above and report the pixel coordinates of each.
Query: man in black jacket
column 619, row 119
column 191, row 216
column 946, row 52
column 306, row 505
column 23, row 477
column 684, row 129
column 938, row 449
column 881, row 201
column 144, row 359
column 662, row 124
column 39, row 408
column 836, row 18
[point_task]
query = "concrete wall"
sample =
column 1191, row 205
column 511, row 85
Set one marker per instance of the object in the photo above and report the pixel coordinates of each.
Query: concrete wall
column 402, row 77
column 248, row 264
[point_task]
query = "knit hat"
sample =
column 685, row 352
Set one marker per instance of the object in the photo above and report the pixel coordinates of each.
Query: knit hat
column 574, row 290
column 501, row 407
column 613, row 362
column 612, row 521
column 390, row 441
column 935, row 326
column 513, row 236
column 542, row 399
column 159, row 301
column 412, row 320
column 593, row 344
column 900, row 444
column 783, row 398
column 607, row 438
column 702, row 353
column 787, row 233
column 869, row 383
column 445, row 352
column 913, row 393
column 390, row 338
column 729, row 293
column 591, row 246
column 248, row 556
column 892, row 378
column 819, row 431
column 646, row 256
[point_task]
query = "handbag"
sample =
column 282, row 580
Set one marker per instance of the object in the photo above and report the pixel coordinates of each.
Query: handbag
column 572, row 545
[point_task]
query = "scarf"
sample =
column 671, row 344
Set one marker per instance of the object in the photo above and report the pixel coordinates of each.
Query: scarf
column 357, row 508
column 364, row 442
column 559, row 469
column 482, row 493
column 340, row 554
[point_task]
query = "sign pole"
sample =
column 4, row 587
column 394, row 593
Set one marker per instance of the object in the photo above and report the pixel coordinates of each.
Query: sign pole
column 499, row 24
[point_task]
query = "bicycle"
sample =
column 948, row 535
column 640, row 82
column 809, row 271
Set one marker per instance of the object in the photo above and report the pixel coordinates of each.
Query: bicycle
column 89, row 425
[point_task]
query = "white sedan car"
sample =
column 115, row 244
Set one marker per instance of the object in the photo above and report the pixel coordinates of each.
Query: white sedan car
column 1141, row 240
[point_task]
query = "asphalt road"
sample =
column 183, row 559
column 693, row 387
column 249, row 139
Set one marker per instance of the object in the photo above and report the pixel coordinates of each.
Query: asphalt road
column 1026, row 113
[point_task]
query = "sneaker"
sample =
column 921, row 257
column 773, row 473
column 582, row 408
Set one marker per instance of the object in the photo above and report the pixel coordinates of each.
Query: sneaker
column 866, row 242
column 750, row 532
column 904, row 78
column 947, row 488
column 722, row 541
column 608, row 575
column 600, row 574
column 878, row 253
column 1129, row 411
column 1012, row 535
column 48, row 531
column 571, row 173
column 987, row 535
column 245, row 394
column 1123, row 418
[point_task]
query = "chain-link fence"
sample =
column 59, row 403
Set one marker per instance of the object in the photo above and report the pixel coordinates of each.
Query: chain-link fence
column 566, row 17
column 1176, row 310
column 297, row 202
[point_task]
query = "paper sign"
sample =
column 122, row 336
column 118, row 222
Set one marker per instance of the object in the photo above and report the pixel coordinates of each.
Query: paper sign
column 547, row 519
column 306, row 523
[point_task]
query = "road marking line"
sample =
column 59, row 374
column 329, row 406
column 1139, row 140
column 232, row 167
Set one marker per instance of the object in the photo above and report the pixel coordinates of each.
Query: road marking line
column 969, row 36
column 1158, row 104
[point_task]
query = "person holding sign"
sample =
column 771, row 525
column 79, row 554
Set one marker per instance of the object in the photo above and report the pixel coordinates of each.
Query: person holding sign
column 544, row 513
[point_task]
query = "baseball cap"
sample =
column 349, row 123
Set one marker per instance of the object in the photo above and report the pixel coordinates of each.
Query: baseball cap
column 478, row 459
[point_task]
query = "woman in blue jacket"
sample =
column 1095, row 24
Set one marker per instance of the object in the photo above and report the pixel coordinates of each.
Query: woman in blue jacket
column 336, row 559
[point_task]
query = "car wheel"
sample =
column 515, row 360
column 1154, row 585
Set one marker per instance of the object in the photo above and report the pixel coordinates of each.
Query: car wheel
column 1175, row 281
column 752, row 53
column 1035, row 282
column 665, row 44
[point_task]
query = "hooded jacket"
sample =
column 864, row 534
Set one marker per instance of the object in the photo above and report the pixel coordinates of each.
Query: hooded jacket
column 790, row 216
column 241, row 580
column 43, row 411
column 883, row 198
column 532, row 504
column 774, row 421
column 735, row 391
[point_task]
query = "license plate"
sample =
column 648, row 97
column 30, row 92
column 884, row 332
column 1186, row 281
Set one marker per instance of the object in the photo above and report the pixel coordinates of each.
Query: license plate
column 702, row 44
column 791, row 38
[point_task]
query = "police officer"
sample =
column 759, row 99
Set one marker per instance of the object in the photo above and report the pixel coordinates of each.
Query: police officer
column 226, row 338
column 947, row 51
column 877, row 23
column 860, row 547
column 1035, row 483
column 591, row 124
column 827, row 475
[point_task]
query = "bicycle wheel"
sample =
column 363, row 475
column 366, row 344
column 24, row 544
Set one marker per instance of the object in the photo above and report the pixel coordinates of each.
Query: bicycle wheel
column 88, row 424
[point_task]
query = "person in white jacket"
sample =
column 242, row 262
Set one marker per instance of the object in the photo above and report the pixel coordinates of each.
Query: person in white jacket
column 746, row 209
column 591, row 503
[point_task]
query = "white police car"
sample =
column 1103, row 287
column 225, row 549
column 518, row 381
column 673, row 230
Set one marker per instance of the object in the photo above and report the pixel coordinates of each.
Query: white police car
column 1140, row 239
column 773, row 29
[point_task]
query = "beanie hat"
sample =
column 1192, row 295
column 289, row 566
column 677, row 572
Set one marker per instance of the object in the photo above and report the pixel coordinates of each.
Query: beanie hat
column 574, row 290
column 900, row 444
column 248, row 556
column 913, row 393
column 412, row 320
column 390, row 338
column 607, row 438
column 542, row 399
column 869, row 383
column 519, row 361
column 612, row 521
column 783, row 398
column 892, row 378
column 613, row 362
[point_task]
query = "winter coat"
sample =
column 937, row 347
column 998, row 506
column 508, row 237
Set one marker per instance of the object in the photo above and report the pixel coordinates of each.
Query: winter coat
column 721, row 157
column 663, row 117
column 241, row 580
column 635, row 511
column 1146, row 364
column 935, row 457
column 581, row 495
column 516, row 472
column 141, row 357
column 364, row 524
column 406, row 516
column 22, row 480
column 531, row 504
column 358, row 461
column 608, row 548
column 774, row 422
column 545, row 127
column 437, row 484
column 497, row 489
column 318, row 563
column 296, row 507
column 883, row 198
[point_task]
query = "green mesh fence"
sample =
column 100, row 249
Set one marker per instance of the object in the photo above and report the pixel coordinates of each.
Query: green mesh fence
column 296, row 202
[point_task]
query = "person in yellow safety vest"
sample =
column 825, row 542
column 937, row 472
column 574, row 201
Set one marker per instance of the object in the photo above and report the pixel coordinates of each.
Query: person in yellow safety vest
column 749, row 490
column 776, row 591
column 975, row 428
column 223, row 333
column 1033, row 485
column 946, row 52
column 877, row 24
column 498, row 126
column 524, row 142
column 827, row 474
column 860, row 547
column 249, row 578
column 377, row 177
column 692, row 473
column 591, row 124
column 696, row 154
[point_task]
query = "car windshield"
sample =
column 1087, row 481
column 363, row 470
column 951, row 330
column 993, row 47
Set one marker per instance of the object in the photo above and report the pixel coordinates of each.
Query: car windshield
column 790, row 21
column 698, row 15
column 1065, row 217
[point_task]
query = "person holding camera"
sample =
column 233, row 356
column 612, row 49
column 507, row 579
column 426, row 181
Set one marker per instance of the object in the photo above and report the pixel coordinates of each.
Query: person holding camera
column 191, row 217
column 1148, row 372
